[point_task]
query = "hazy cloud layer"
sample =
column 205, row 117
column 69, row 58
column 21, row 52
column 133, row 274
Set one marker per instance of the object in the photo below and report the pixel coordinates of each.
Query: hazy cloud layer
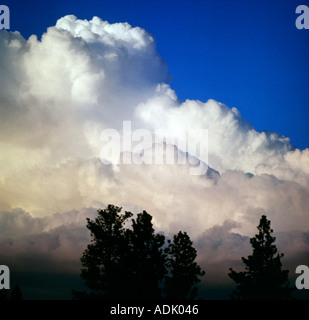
column 81, row 77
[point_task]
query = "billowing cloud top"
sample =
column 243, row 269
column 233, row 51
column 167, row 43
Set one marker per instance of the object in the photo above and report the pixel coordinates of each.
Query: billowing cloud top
column 58, row 94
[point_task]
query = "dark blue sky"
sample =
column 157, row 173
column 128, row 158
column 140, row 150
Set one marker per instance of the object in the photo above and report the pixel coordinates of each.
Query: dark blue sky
column 245, row 54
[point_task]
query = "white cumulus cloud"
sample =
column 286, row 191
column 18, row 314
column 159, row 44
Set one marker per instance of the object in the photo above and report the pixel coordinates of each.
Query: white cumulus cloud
column 58, row 94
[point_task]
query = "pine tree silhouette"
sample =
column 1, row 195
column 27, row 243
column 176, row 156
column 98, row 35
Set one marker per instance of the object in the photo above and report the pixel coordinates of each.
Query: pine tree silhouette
column 104, row 261
column 184, row 271
column 263, row 278
column 147, row 259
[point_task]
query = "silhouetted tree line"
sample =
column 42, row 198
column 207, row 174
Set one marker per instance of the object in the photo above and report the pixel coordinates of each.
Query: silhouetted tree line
column 137, row 263
column 132, row 261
